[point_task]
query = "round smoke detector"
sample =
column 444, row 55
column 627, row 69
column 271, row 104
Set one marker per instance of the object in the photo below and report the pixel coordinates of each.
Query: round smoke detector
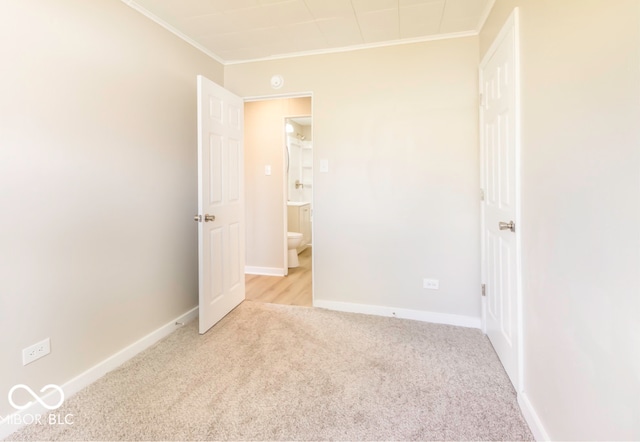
column 277, row 81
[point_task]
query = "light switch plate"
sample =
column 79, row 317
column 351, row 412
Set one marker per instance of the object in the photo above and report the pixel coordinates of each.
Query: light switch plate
column 324, row 166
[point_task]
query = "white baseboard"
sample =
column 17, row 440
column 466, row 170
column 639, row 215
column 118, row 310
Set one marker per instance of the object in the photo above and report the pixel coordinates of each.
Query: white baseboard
column 532, row 418
column 418, row 315
column 266, row 271
column 17, row 420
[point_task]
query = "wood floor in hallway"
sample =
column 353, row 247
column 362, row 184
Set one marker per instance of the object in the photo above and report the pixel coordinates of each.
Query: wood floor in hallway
column 294, row 289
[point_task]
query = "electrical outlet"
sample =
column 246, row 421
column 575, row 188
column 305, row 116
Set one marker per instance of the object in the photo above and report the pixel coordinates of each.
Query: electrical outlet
column 431, row 284
column 36, row 351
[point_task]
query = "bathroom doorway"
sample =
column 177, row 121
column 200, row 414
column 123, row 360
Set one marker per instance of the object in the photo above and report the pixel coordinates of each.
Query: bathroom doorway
column 299, row 150
column 279, row 194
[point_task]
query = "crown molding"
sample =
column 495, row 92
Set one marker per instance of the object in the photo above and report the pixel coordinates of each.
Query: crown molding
column 132, row 4
column 400, row 42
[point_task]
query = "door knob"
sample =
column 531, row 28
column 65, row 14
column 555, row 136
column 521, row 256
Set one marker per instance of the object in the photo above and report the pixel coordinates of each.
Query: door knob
column 197, row 218
column 507, row 226
column 209, row 218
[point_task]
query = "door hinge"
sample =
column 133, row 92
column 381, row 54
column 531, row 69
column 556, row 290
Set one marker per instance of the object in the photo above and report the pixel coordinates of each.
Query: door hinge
column 481, row 194
column 484, row 290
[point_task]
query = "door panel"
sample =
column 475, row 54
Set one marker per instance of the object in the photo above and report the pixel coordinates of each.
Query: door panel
column 215, row 169
column 216, row 276
column 234, row 170
column 234, row 255
column 220, row 202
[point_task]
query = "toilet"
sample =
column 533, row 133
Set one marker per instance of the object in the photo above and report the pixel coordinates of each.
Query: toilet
column 293, row 242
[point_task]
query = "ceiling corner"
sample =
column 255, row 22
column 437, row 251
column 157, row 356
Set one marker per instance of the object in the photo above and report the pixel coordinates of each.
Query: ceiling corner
column 133, row 5
column 485, row 15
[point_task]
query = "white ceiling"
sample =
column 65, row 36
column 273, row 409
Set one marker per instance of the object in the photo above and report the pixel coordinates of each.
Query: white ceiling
column 241, row 30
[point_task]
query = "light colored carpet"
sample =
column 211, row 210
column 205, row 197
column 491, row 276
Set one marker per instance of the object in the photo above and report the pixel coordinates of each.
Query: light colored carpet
column 273, row 372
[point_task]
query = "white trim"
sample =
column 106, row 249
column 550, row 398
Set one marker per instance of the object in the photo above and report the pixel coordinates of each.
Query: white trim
column 286, row 163
column 314, row 175
column 359, row 47
column 132, row 4
column 417, row 315
column 532, row 418
column 282, row 96
column 515, row 17
column 91, row 375
column 485, row 15
column 266, row 271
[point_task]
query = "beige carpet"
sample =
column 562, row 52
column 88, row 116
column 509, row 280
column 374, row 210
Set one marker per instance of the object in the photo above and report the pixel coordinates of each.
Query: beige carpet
column 273, row 372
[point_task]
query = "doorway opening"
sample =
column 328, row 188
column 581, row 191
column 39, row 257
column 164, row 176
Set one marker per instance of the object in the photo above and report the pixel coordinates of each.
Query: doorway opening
column 279, row 195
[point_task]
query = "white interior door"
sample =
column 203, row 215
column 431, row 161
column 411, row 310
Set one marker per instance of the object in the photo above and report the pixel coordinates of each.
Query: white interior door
column 500, row 183
column 221, row 236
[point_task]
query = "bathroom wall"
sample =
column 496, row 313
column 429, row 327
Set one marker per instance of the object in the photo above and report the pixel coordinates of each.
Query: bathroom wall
column 306, row 163
column 580, row 213
column 294, row 144
column 307, row 131
column 98, row 247
column 266, row 194
column 297, row 129
column 400, row 200
column 300, row 163
column 294, row 176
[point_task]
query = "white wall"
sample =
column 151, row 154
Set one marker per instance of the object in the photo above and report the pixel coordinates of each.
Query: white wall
column 581, row 213
column 398, row 126
column 98, row 183
column 266, row 194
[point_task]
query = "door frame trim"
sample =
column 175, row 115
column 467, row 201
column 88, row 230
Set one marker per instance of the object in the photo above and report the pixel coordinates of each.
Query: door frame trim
column 512, row 23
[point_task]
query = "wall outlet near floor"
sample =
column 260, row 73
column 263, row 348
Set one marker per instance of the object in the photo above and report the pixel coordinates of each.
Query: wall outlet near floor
column 431, row 284
column 36, row 351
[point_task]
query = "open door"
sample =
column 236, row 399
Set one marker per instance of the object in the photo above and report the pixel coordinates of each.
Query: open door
column 499, row 153
column 221, row 237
